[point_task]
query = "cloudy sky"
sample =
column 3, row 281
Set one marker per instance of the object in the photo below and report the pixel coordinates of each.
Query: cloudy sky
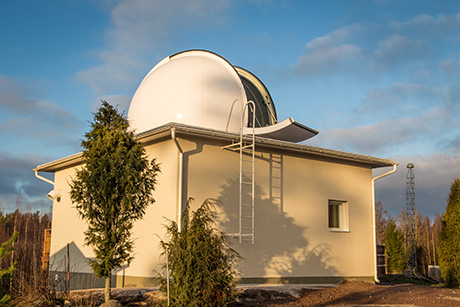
column 376, row 77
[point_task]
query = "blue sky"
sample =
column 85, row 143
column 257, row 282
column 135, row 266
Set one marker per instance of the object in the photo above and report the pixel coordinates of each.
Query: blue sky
column 378, row 77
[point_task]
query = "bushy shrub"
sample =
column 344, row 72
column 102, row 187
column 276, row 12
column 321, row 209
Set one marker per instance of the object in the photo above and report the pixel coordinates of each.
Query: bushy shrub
column 451, row 277
column 200, row 260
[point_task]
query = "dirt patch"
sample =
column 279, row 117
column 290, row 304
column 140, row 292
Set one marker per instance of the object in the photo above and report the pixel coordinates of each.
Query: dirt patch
column 353, row 293
column 349, row 293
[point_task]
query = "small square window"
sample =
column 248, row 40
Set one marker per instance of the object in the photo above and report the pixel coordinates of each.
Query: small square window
column 338, row 215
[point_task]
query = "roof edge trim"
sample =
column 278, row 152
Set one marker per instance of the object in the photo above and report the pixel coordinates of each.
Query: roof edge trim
column 163, row 131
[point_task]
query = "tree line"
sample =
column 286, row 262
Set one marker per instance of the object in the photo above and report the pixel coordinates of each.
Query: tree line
column 390, row 232
column 437, row 239
column 25, row 251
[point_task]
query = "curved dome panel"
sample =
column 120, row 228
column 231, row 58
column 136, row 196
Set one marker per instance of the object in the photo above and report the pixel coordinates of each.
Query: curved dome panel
column 200, row 88
column 196, row 87
column 258, row 93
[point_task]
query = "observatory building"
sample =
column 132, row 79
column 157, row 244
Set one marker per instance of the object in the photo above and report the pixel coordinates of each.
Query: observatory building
column 296, row 213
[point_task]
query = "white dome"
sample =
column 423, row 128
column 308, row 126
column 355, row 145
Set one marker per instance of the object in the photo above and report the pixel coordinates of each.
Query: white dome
column 196, row 87
column 200, row 88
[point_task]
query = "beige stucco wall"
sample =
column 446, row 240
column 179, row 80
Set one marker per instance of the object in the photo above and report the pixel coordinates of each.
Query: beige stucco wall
column 292, row 238
column 67, row 227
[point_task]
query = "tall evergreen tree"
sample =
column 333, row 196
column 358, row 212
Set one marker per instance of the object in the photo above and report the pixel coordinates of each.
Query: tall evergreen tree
column 449, row 240
column 112, row 190
column 200, row 260
column 394, row 240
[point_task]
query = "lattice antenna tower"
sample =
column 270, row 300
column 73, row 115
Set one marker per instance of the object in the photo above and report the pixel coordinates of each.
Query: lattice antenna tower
column 411, row 235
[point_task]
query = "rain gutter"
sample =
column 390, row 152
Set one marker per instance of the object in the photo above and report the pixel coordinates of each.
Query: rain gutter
column 373, row 217
column 43, row 178
column 180, row 180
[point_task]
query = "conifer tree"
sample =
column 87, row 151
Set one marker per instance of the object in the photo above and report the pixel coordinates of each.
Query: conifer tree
column 200, row 260
column 112, row 190
column 449, row 239
column 394, row 240
column 5, row 249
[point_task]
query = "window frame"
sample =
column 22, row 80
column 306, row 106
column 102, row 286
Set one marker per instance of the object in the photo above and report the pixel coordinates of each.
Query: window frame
column 343, row 218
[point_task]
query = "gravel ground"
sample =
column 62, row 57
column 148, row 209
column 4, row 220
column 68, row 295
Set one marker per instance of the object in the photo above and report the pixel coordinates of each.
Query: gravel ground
column 349, row 293
column 357, row 293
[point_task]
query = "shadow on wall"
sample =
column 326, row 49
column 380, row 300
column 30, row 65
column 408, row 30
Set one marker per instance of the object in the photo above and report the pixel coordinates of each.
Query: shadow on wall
column 281, row 249
column 80, row 272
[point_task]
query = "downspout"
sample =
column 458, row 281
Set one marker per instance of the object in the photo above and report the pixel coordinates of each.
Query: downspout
column 373, row 217
column 43, row 178
column 180, row 180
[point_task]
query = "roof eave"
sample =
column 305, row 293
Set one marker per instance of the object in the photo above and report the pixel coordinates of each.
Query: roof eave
column 156, row 133
column 164, row 131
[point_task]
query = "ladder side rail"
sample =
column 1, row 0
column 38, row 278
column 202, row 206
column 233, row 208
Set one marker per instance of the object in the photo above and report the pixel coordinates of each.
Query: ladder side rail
column 240, row 207
column 251, row 103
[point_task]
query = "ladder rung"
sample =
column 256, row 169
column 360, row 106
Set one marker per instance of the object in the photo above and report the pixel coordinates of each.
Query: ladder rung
column 246, row 228
column 250, row 194
column 247, row 171
column 247, row 146
column 247, row 217
column 231, row 145
column 246, row 182
column 247, row 206
column 246, row 160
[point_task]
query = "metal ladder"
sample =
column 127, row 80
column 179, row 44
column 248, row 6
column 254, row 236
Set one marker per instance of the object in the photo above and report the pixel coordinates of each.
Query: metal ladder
column 247, row 174
column 276, row 180
column 246, row 201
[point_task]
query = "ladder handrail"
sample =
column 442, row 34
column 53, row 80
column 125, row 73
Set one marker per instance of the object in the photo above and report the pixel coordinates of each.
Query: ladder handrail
column 246, row 145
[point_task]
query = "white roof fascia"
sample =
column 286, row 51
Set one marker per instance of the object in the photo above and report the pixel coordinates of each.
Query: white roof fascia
column 164, row 132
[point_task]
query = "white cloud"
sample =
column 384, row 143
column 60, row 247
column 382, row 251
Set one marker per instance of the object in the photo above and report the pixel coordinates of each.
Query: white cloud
column 395, row 50
column 324, row 61
column 18, row 98
column 453, row 144
column 18, row 184
column 442, row 26
column 433, row 176
column 14, row 95
column 337, row 37
column 386, row 137
column 419, row 112
column 452, row 103
column 338, row 51
column 402, row 97
column 450, row 68
column 36, row 122
column 402, row 118
column 383, row 48
column 138, row 35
